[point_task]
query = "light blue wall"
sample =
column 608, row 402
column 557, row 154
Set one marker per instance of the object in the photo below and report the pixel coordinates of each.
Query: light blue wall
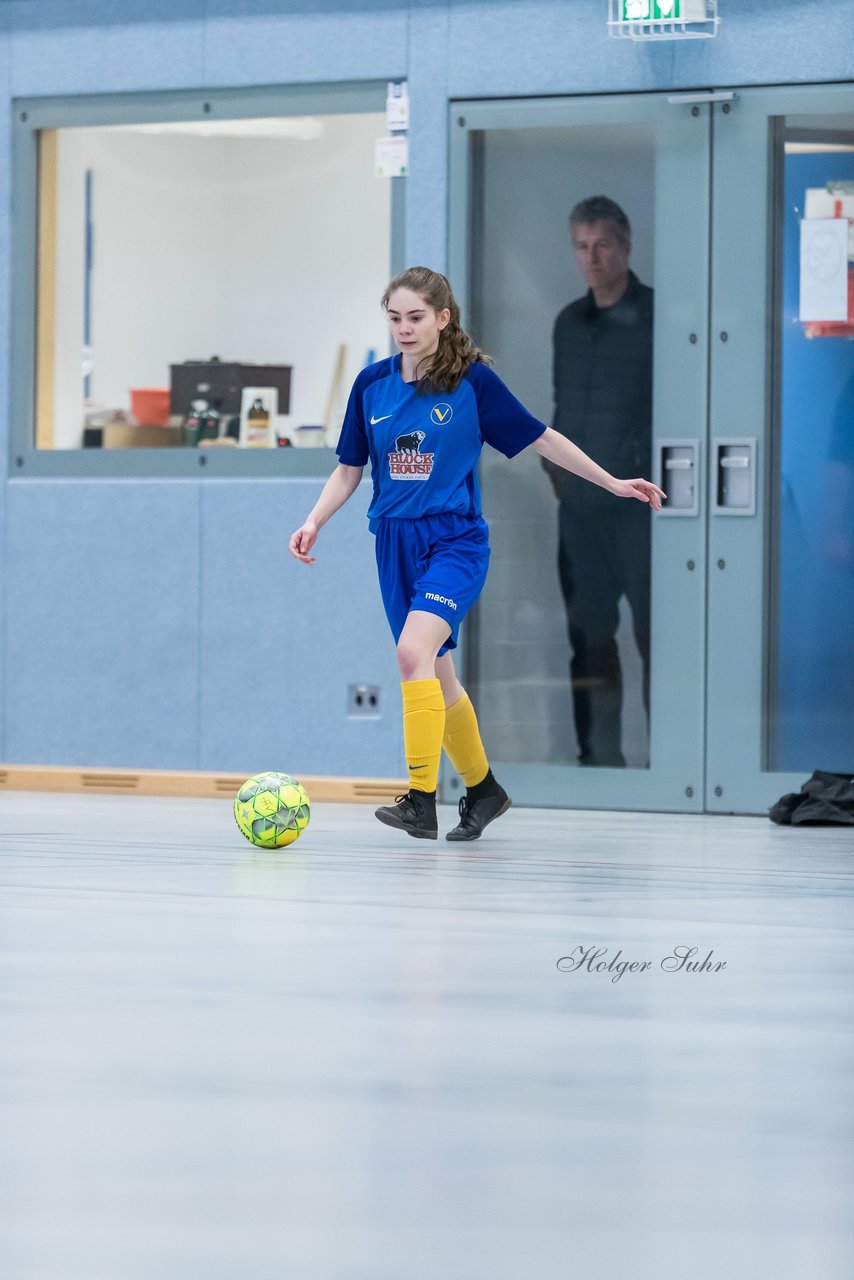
column 162, row 623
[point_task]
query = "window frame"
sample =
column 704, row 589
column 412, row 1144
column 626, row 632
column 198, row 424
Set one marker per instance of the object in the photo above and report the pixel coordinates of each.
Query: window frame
column 33, row 115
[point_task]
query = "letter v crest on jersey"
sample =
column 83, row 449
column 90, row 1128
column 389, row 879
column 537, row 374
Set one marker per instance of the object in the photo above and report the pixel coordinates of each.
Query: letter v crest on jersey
column 441, row 414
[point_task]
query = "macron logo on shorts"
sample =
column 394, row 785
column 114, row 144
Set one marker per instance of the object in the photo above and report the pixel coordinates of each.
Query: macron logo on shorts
column 430, row 595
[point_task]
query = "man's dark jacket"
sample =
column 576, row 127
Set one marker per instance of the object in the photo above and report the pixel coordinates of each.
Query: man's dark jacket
column 603, row 388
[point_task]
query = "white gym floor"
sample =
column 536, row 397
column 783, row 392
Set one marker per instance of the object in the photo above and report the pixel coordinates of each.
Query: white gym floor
column 358, row 1059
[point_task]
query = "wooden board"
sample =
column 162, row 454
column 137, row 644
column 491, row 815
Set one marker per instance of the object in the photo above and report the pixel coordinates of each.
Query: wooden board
column 156, row 782
column 46, row 296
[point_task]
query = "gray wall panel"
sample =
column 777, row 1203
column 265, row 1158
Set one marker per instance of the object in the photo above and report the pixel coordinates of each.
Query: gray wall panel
column 245, row 45
column 281, row 641
column 505, row 49
column 64, row 48
column 765, row 42
column 426, row 204
column 102, row 623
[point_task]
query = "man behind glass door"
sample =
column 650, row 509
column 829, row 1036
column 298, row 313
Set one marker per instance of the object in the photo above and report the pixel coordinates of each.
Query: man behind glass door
column 603, row 402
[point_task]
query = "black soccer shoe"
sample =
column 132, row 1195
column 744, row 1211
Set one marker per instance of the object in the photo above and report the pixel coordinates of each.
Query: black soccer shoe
column 414, row 813
column 475, row 814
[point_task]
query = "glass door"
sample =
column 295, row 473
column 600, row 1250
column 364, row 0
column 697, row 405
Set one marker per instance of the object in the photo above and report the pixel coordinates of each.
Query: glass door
column 586, row 657
column 781, row 480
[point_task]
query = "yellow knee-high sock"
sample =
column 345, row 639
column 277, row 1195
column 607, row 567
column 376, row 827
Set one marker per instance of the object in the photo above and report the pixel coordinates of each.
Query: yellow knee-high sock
column 423, row 727
column 462, row 742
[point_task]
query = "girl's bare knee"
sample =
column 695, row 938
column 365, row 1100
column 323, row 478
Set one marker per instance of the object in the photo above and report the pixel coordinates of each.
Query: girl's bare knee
column 409, row 659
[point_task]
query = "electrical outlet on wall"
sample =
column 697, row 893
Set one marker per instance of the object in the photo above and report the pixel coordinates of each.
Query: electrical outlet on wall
column 363, row 700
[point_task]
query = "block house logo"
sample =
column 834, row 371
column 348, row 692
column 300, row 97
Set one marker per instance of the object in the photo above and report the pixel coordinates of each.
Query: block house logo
column 406, row 461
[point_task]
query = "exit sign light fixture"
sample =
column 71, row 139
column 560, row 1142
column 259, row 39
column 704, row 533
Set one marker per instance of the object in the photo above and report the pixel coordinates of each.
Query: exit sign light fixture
column 663, row 19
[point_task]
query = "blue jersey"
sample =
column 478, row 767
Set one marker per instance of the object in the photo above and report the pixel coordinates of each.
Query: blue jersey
column 424, row 447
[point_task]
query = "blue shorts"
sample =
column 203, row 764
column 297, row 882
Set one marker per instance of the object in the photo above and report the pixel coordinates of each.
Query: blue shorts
column 436, row 564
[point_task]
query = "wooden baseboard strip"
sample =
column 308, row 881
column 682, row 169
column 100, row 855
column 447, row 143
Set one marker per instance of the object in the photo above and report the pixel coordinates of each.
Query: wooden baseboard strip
column 157, row 782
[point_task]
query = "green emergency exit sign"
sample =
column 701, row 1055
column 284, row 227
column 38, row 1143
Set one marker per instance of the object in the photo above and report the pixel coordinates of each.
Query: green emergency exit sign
column 666, row 10
column 643, row 10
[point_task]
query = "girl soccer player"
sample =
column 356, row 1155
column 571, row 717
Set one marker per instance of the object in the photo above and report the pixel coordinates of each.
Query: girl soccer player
column 422, row 417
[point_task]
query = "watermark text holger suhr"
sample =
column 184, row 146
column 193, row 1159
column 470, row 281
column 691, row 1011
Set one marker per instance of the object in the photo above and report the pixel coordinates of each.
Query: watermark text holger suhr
column 594, row 960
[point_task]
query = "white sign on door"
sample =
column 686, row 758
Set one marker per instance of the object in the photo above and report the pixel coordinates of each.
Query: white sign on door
column 824, row 269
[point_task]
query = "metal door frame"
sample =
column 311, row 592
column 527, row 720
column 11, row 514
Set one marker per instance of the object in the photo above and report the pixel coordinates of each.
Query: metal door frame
column 674, row 782
column 742, row 402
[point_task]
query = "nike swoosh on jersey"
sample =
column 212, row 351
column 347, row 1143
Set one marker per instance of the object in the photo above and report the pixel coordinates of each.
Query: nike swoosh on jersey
column 374, row 420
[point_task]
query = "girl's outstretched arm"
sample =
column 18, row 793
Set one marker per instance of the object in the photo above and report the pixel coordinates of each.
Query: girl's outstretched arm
column 556, row 448
column 341, row 485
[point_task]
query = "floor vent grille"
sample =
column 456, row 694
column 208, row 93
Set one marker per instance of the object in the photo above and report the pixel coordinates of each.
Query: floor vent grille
column 110, row 781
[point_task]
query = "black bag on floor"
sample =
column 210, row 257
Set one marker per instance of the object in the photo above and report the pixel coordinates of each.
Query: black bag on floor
column 825, row 797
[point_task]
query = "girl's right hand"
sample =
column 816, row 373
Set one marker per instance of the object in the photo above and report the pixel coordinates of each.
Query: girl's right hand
column 302, row 541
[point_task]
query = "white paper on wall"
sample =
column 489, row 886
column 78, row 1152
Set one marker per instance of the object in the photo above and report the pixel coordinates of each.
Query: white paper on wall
column 397, row 106
column 824, row 269
column 391, row 156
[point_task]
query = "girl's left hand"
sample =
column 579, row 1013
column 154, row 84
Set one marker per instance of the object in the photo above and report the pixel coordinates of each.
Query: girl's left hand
column 643, row 490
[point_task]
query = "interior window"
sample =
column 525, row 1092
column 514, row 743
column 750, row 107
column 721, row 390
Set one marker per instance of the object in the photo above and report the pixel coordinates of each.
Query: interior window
column 207, row 283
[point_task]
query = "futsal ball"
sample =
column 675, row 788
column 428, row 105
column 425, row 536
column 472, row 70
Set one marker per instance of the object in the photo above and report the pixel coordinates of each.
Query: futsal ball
column 272, row 810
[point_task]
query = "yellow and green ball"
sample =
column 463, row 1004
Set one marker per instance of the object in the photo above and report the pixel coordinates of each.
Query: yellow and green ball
column 272, row 810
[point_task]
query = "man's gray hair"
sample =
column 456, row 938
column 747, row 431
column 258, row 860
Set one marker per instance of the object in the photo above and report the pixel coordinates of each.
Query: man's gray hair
column 602, row 209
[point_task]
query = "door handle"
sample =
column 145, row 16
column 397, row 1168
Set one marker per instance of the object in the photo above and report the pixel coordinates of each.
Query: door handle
column 676, row 472
column 735, row 477
column 717, row 95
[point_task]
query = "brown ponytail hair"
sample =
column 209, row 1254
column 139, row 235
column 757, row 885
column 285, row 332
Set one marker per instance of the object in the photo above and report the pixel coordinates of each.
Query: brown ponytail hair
column 456, row 351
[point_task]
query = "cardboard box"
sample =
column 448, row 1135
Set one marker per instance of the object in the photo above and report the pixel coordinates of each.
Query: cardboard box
column 125, row 435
